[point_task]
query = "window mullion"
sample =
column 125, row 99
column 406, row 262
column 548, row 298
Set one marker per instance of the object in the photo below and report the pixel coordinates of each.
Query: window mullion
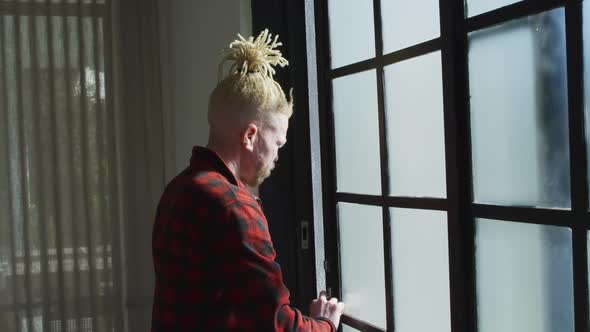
column 458, row 166
column 383, row 151
column 578, row 161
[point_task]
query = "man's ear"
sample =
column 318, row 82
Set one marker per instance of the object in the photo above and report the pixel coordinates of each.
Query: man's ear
column 249, row 137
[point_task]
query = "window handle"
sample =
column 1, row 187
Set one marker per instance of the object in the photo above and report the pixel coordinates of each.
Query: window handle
column 304, row 235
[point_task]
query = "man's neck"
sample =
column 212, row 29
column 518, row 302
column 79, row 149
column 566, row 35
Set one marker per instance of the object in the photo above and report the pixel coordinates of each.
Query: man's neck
column 229, row 156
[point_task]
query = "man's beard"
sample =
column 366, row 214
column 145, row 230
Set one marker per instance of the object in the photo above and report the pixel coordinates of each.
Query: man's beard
column 259, row 177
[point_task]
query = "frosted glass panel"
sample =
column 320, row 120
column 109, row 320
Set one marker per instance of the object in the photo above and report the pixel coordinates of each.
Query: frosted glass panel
column 420, row 270
column 406, row 23
column 352, row 32
column 362, row 262
column 518, row 87
column 524, row 277
column 414, row 110
column 356, row 127
column 346, row 328
column 476, row 7
column 586, row 31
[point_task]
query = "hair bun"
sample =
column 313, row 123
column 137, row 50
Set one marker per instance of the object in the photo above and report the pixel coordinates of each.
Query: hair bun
column 254, row 55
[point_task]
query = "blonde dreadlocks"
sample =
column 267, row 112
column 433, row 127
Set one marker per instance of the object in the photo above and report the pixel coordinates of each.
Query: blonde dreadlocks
column 249, row 91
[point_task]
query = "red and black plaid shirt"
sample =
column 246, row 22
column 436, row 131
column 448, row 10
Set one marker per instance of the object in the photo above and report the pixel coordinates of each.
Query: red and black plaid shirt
column 214, row 259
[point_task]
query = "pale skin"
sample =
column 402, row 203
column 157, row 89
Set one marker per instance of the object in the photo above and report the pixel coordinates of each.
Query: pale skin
column 251, row 153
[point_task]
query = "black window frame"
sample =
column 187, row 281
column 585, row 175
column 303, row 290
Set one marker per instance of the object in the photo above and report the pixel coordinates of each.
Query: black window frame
column 459, row 204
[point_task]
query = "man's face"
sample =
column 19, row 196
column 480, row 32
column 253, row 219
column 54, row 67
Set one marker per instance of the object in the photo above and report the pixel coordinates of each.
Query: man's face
column 270, row 137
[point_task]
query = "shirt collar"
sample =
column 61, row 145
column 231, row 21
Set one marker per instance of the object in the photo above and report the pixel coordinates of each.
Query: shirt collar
column 204, row 159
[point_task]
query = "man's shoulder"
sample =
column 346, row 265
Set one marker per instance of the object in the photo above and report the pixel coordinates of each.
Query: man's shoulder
column 209, row 187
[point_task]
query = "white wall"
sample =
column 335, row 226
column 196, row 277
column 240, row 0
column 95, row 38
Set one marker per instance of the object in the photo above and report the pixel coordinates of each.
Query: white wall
column 192, row 33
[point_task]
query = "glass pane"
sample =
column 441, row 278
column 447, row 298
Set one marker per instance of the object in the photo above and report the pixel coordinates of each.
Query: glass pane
column 414, row 110
column 586, row 31
column 356, row 126
column 518, row 87
column 406, row 23
column 524, row 277
column 476, row 7
column 362, row 262
column 352, row 31
column 346, row 328
column 420, row 270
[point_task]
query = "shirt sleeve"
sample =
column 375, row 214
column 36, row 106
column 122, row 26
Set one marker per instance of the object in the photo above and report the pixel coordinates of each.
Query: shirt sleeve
column 259, row 298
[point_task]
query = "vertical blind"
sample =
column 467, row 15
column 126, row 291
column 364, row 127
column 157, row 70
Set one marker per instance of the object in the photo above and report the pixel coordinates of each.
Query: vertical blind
column 58, row 196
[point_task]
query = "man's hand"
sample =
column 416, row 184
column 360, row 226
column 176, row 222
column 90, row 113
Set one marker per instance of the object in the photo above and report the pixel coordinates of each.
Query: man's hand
column 331, row 309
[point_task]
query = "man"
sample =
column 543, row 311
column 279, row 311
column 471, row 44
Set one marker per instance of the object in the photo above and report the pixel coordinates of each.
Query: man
column 213, row 255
